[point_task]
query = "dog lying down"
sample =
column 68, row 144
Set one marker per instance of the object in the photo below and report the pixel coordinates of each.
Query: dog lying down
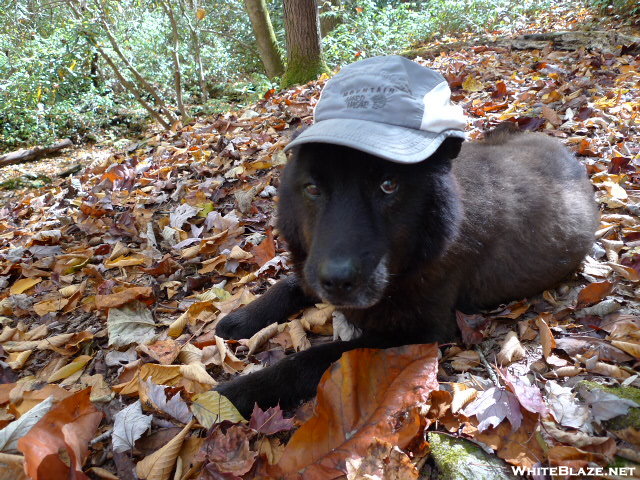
column 398, row 224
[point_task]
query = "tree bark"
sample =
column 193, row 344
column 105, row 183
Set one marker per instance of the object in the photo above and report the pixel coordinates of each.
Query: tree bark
column 265, row 37
column 304, row 51
column 188, row 10
column 177, row 75
column 28, row 155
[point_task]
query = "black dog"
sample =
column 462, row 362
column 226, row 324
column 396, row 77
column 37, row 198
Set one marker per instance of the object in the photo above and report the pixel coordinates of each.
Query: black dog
column 398, row 247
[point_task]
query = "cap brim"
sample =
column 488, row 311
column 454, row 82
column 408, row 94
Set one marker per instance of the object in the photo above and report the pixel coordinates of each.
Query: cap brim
column 391, row 142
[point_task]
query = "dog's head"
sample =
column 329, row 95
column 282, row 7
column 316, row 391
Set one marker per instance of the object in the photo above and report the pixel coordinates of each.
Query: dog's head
column 354, row 221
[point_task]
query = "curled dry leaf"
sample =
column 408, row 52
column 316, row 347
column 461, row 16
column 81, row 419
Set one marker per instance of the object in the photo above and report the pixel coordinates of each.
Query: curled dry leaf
column 57, row 445
column 261, row 337
column 591, row 346
column 351, row 410
column 269, row 421
column 175, row 407
column 24, row 284
column 546, row 337
column 512, row 350
column 69, row 369
column 298, row 335
column 159, row 465
column 462, row 395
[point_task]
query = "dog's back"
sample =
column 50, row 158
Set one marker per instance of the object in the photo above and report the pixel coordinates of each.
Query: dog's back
column 529, row 220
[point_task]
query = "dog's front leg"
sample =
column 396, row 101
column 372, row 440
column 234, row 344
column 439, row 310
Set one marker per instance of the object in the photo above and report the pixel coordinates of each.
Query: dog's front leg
column 275, row 305
column 294, row 378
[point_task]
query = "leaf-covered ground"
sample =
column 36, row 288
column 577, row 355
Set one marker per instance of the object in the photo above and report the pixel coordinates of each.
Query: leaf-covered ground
column 112, row 281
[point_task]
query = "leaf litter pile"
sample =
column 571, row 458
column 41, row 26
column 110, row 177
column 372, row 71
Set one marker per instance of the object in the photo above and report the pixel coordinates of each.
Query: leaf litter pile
column 112, row 281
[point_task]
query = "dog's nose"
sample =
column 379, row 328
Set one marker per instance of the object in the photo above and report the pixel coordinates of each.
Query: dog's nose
column 338, row 275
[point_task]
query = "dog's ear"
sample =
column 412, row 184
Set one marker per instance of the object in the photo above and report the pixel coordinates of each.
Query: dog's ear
column 449, row 148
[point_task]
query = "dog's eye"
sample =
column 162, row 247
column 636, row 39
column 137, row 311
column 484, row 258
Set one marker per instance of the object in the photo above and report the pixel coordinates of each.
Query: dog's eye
column 389, row 186
column 312, row 190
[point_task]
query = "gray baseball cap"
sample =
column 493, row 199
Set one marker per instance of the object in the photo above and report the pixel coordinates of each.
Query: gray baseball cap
column 387, row 106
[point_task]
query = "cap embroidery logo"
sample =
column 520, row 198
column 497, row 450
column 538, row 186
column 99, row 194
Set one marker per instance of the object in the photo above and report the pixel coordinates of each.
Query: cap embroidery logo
column 356, row 101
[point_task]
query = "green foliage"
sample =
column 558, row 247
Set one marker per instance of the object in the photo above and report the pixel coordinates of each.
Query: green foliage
column 54, row 84
column 624, row 8
column 371, row 29
column 379, row 27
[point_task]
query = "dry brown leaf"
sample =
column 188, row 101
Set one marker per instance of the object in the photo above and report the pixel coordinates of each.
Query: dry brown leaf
column 76, row 365
column 261, row 337
column 546, row 337
column 12, row 467
column 465, row 360
column 631, row 348
column 593, row 293
column 298, row 335
column 518, row 447
column 49, row 306
column 462, row 395
column 163, row 351
column 511, row 350
column 159, row 465
column 24, row 284
column 122, row 297
column 386, row 409
column 57, row 445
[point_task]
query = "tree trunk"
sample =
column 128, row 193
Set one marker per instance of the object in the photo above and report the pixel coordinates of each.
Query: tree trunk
column 195, row 41
column 304, row 51
column 265, row 37
column 177, row 75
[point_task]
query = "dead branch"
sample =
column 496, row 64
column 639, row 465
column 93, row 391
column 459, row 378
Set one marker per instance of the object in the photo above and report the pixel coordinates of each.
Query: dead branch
column 27, row 155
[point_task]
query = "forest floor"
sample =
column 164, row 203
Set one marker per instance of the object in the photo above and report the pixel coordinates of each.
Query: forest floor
column 112, row 281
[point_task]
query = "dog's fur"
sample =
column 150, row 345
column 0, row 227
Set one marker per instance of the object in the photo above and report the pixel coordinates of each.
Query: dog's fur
column 506, row 219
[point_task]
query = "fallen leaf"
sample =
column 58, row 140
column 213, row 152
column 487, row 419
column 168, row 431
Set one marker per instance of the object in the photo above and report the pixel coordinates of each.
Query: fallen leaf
column 494, row 405
column 605, row 405
column 175, row 407
column 386, row 409
column 566, row 408
column 269, row 421
column 24, row 284
column 226, row 451
column 211, row 407
column 128, row 426
column 129, row 324
column 511, row 350
column 546, row 337
column 57, row 445
column 115, row 300
column 159, row 465
column 17, row 429
column 593, row 293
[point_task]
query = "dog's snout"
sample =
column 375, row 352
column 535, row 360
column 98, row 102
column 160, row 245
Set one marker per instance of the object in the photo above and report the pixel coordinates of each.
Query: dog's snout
column 338, row 275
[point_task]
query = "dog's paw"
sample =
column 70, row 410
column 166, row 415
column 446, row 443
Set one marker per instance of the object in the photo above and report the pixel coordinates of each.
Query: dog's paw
column 240, row 393
column 236, row 325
